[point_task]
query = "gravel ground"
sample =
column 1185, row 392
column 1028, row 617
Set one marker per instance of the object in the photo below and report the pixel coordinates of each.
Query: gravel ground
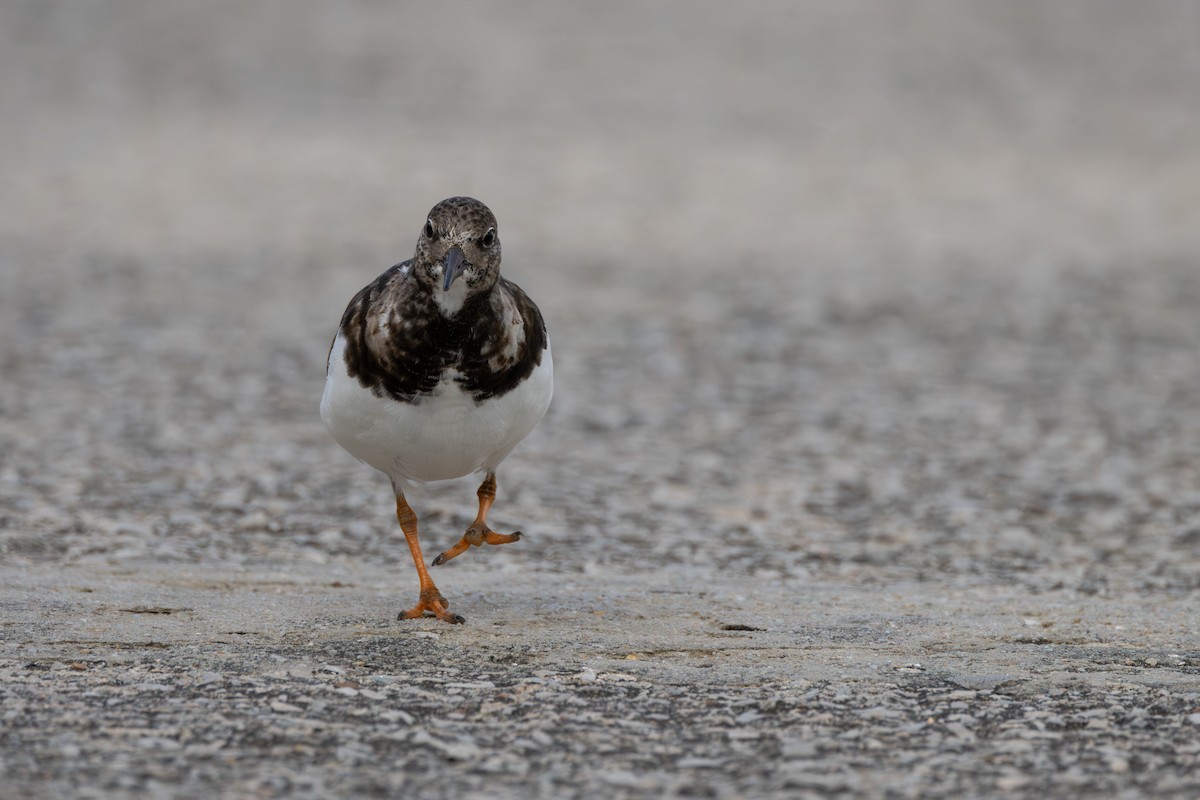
column 874, row 462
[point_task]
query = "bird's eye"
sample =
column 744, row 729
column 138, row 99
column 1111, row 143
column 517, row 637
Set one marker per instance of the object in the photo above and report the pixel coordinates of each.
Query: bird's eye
column 429, row 229
column 489, row 238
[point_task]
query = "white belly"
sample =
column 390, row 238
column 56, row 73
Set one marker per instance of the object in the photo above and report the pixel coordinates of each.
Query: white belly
column 444, row 435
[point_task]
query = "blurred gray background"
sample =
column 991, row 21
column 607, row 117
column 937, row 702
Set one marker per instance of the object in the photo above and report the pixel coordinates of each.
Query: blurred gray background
column 856, row 306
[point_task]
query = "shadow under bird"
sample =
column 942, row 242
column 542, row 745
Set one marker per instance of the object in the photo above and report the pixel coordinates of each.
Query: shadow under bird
column 439, row 368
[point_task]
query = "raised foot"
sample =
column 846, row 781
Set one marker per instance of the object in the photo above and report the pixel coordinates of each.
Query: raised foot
column 432, row 602
column 476, row 535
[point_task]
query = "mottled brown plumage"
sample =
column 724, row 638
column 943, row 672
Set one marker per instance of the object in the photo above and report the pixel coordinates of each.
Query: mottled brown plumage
column 404, row 361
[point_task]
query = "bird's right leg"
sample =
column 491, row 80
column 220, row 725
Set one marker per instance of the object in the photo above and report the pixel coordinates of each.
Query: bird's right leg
column 431, row 600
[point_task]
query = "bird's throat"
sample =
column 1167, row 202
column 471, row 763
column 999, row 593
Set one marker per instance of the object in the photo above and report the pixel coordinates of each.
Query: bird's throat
column 451, row 301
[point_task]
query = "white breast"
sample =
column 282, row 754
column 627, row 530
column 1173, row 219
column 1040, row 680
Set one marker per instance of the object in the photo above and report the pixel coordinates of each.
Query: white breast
column 443, row 435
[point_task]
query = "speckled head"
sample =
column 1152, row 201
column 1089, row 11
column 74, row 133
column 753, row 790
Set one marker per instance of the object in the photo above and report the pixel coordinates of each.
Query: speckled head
column 458, row 252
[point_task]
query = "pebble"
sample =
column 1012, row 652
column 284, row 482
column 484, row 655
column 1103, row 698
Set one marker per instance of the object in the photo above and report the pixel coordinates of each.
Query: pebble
column 960, row 731
column 622, row 677
column 880, row 712
column 383, row 680
column 158, row 743
column 462, row 749
column 798, row 748
column 473, row 685
column 623, row 778
column 396, row 715
column 1010, row 783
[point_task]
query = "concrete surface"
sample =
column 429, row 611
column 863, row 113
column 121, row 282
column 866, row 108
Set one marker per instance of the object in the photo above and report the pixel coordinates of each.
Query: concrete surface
column 874, row 463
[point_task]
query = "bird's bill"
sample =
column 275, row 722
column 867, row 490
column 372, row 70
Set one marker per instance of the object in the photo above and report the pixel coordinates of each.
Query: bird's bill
column 452, row 267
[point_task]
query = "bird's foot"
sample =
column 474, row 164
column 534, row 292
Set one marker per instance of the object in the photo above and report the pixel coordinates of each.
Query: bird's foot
column 477, row 534
column 432, row 602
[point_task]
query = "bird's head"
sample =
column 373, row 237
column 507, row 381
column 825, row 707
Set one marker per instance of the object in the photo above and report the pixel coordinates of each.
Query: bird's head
column 458, row 252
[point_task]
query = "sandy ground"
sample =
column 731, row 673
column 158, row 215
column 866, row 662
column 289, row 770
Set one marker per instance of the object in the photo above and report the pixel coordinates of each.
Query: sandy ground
column 874, row 462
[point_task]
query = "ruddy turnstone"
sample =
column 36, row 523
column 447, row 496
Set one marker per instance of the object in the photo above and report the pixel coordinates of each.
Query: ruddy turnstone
column 438, row 369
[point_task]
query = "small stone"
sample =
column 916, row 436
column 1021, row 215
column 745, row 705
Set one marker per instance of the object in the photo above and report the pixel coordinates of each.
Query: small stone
column 255, row 520
column 471, row 685
column 960, row 731
column 352, row 754
column 799, row 748
column 1018, row 540
column 158, row 743
column 1010, row 783
column 462, row 750
column 396, row 715
column 231, row 499
column 622, row 778
column 618, row 676
column 880, row 712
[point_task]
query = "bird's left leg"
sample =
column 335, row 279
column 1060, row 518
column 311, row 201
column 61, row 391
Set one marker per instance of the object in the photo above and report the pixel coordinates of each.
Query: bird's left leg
column 479, row 533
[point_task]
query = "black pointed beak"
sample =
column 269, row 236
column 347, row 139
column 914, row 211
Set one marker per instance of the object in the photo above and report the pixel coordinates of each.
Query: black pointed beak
column 452, row 267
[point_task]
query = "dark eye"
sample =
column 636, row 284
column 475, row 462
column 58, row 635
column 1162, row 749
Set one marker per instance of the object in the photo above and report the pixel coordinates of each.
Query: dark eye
column 489, row 238
column 428, row 229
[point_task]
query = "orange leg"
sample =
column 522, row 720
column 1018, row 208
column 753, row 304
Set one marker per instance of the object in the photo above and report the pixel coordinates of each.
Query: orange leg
column 431, row 599
column 479, row 533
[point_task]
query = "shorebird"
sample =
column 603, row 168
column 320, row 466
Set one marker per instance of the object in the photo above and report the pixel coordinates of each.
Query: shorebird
column 439, row 368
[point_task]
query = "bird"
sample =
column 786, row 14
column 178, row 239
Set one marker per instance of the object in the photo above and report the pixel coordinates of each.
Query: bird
column 439, row 368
